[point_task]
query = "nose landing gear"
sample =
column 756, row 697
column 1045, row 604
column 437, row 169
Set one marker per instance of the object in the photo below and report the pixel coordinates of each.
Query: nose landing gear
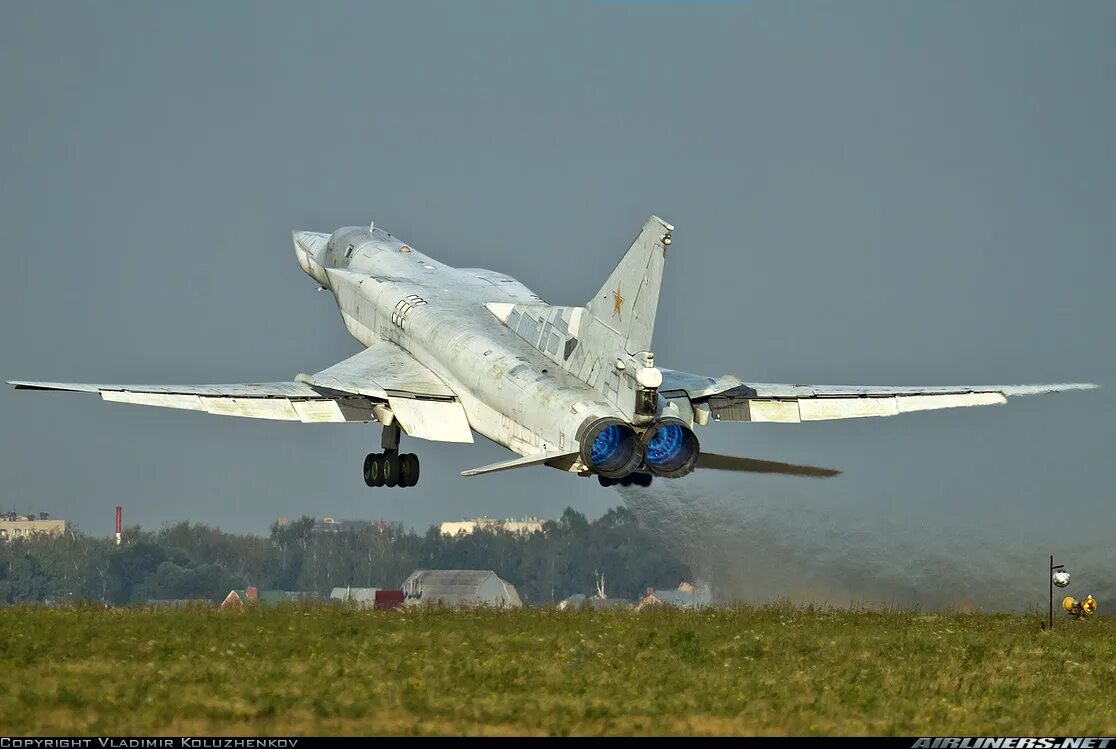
column 391, row 468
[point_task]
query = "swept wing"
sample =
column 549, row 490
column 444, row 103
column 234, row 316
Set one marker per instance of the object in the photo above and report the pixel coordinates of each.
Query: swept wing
column 729, row 399
column 362, row 388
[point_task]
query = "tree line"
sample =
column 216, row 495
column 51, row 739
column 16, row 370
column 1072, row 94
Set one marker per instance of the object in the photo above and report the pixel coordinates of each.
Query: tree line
column 189, row 561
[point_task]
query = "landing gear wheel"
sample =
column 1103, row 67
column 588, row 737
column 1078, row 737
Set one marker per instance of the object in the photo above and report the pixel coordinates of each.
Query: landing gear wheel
column 408, row 469
column 389, row 467
column 641, row 479
column 605, row 481
column 373, row 470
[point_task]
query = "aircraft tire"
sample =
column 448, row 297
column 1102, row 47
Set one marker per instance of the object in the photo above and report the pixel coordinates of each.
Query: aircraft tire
column 389, row 468
column 408, row 469
column 373, row 470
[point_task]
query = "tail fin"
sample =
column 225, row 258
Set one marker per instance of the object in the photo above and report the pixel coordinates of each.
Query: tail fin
column 626, row 303
column 619, row 320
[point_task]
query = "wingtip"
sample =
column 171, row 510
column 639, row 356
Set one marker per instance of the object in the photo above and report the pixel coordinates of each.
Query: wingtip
column 74, row 387
column 1060, row 387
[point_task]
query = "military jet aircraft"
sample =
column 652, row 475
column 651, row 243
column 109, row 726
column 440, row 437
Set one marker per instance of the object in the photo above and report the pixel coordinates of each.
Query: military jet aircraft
column 453, row 351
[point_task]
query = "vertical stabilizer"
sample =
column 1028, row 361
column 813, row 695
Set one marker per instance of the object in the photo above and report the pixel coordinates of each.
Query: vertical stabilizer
column 626, row 303
column 595, row 342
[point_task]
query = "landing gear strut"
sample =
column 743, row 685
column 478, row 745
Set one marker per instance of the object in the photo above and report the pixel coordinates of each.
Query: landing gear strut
column 632, row 479
column 390, row 468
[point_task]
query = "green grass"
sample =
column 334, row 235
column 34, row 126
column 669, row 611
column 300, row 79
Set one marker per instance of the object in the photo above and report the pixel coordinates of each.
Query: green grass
column 773, row 670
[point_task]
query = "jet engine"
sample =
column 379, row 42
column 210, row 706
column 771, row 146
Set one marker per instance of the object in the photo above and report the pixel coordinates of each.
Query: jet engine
column 670, row 448
column 610, row 447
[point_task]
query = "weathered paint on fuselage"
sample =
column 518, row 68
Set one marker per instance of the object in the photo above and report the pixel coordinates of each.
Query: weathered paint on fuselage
column 512, row 394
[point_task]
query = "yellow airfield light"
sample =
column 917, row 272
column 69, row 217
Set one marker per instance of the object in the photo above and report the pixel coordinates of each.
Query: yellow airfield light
column 1079, row 609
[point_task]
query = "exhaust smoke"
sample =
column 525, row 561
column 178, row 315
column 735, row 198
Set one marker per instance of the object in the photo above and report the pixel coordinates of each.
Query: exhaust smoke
column 758, row 548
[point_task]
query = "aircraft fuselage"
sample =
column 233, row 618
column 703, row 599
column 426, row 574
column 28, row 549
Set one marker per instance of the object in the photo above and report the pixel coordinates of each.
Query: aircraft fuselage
column 510, row 391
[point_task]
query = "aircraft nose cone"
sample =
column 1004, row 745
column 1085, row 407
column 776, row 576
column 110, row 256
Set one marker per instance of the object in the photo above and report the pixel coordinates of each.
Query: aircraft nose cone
column 310, row 242
column 309, row 247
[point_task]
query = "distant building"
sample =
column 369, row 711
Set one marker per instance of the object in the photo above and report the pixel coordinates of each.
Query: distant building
column 685, row 596
column 459, row 588
column 332, row 525
column 276, row 597
column 236, row 599
column 364, row 598
column 510, row 525
column 367, row 598
column 386, row 600
column 178, row 603
column 24, row 526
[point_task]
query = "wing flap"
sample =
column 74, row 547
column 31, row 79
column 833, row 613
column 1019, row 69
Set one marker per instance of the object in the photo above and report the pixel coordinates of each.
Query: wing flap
column 910, row 403
column 442, row 421
column 821, row 409
column 775, row 412
column 318, row 412
column 279, row 409
column 162, row 400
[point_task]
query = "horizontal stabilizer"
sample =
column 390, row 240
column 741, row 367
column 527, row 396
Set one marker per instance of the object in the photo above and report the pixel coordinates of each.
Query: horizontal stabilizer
column 751, row 465
column 521, row 462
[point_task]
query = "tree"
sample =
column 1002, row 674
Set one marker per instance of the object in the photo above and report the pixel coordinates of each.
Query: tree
column 187, row 560
column 129, row 566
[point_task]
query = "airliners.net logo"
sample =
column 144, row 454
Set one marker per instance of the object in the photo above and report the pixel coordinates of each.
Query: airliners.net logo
column 1014, row 742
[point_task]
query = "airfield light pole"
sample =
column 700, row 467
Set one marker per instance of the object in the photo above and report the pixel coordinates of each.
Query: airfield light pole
column 1054, row 570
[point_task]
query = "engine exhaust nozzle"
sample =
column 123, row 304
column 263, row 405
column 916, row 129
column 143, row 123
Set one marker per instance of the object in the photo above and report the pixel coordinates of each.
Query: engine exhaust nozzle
column 610, row 447
column 670, row 448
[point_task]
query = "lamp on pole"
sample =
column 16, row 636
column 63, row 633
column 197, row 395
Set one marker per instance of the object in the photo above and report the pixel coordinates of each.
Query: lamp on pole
column 1059, row 577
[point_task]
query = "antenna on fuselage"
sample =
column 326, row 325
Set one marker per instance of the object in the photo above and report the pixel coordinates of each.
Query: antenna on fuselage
column 371, row 226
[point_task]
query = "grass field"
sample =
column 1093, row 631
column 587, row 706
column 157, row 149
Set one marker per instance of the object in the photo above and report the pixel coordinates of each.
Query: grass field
column 774, row 670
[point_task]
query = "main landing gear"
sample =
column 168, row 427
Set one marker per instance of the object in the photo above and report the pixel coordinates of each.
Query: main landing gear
column 632, row 479
column 391, row 468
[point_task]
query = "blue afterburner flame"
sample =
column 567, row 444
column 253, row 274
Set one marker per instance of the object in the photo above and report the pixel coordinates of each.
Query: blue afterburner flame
column 665, row 445
column 608, row 445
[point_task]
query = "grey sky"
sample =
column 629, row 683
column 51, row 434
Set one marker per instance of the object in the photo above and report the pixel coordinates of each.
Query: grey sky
column 864, row 193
